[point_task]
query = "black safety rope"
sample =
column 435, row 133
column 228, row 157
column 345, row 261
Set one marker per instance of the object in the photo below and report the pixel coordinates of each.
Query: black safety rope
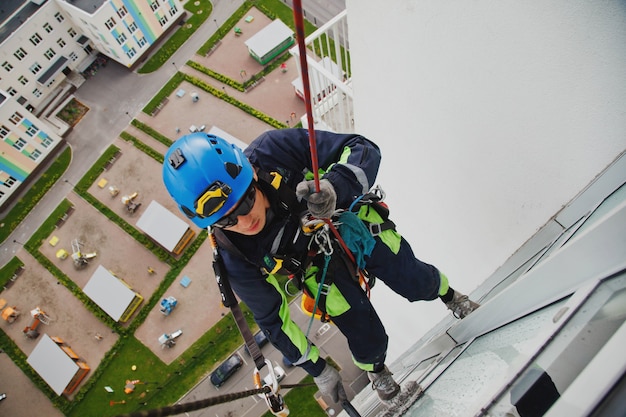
column 172, row 410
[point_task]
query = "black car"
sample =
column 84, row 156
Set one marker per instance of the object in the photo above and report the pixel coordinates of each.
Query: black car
column 226, row 370
column 260, row 338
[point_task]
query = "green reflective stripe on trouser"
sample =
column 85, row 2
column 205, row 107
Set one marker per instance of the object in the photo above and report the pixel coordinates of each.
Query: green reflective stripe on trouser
column 443, row 284
column 389, row 237
column 368, row 367
column 292, row 331
column 336, row 304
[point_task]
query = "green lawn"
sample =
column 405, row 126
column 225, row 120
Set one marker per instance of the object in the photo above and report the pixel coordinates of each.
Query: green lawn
column 159, row 384
column 197, row 14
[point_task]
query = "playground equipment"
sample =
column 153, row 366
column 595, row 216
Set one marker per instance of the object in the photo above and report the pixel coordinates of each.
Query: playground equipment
column 130, row 385
column 80, row 259
column 129, row 202
column 169, row 340
column 168, row 304
column 9, row 314
column 39, row 316
column 113, row 190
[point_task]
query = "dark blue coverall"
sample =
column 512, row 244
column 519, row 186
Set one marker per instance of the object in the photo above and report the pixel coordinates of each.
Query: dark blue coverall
column 351, row 164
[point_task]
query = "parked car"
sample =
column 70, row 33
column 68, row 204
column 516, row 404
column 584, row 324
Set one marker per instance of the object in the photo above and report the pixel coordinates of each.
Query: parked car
column 278, row 372
column 226, row 370
column 261, row 340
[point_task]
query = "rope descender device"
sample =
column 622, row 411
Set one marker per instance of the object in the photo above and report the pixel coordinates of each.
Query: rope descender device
column 273, row 399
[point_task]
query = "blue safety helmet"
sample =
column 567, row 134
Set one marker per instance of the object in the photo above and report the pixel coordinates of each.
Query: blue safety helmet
column 206, row 176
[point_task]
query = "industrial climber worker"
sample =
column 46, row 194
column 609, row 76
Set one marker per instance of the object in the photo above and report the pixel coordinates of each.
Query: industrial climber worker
column 262, row 205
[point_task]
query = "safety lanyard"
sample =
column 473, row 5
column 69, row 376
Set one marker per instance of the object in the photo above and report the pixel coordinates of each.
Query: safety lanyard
column 274, row 401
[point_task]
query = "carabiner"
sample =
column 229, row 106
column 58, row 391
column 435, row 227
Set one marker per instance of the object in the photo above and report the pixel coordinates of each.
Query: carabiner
column 274, row 401
column 258, row 382
column 325, row 244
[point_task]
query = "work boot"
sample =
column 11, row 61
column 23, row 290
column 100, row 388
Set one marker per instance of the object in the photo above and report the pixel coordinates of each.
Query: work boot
column 383, row 383
column 461, row 305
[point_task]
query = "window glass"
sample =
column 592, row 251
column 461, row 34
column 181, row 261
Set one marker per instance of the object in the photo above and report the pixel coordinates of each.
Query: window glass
column 480, row 371
column 35, row 39
column 35, row 68
column 110, row 24
column 569, row 353
column 607, row 205
column 20, row 54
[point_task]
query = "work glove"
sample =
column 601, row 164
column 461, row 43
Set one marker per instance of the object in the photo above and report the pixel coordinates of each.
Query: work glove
column 329, row 383
column 322, row 204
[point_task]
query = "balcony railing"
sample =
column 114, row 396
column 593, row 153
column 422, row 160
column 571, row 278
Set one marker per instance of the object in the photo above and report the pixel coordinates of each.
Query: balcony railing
column 328, row 63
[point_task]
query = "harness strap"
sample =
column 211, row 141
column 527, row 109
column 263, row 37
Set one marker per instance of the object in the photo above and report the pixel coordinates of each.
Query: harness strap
column 374, row 200
column 286, row 196
column 229, row 300
column 377, row 228
column 322, row 292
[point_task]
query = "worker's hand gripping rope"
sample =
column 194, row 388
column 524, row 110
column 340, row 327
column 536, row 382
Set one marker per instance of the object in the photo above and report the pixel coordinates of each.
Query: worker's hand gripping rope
column 320, row 203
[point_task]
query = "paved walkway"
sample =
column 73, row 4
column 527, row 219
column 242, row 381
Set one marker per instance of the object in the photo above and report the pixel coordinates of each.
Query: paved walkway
column 114, row 96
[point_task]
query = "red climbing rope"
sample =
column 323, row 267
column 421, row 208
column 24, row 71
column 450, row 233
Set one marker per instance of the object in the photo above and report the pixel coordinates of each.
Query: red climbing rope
column 300, row 38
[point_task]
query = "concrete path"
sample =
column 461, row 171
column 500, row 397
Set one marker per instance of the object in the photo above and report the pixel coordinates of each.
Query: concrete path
column 115, row 96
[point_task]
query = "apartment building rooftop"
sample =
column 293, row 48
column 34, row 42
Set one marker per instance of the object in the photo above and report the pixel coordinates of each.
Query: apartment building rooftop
column 88, row 6
column 13, row 13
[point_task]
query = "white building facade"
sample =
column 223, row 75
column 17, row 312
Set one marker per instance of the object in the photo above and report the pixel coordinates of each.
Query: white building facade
column 39, row 50
column 25, row 142
column 123, row 30
column 491, row 117
column 45, row 45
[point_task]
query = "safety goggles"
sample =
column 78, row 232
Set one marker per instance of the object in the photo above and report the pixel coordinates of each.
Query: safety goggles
column 241, row 209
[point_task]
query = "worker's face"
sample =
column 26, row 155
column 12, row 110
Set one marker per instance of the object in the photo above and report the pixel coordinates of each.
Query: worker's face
column 252, row 223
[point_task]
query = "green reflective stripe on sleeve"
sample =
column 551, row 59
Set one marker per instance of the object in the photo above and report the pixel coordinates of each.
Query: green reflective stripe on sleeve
column 343, row 159
column 443, row 284
column 336, row 304
column 368, row 367
column 344, row 155
column 310, row 177
column 292, row 331
column 389, row 237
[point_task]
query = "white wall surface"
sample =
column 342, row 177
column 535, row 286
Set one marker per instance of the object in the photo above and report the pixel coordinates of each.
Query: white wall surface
column 491, row 115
